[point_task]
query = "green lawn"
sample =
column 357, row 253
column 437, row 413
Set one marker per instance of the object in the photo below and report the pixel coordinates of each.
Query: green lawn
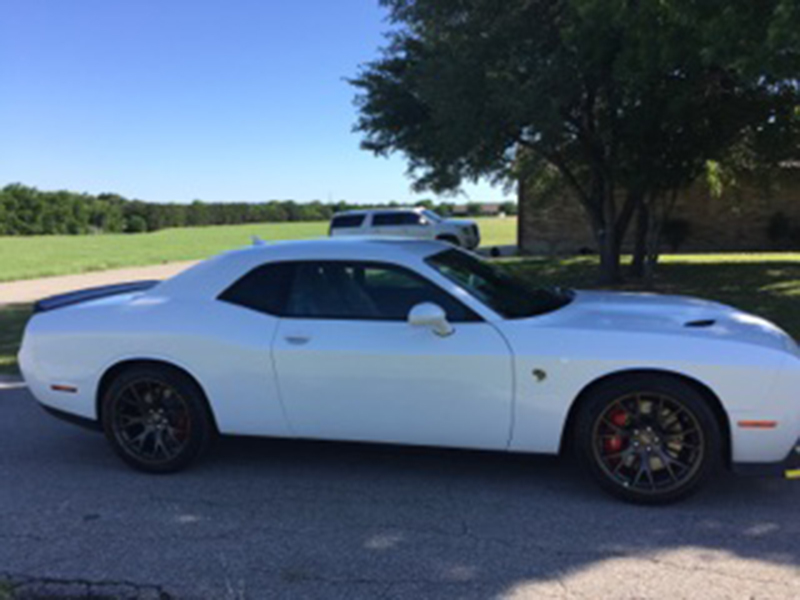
column 12, row 321
column 42, row 256
column 766, row 284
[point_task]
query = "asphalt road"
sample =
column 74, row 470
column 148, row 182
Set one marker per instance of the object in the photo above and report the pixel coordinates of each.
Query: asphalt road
column 278, row 519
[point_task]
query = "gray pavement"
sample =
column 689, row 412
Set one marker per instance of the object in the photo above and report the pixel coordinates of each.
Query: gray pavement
column 281, row 519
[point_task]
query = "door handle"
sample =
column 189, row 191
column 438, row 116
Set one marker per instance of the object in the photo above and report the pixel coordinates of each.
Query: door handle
column 297, row 340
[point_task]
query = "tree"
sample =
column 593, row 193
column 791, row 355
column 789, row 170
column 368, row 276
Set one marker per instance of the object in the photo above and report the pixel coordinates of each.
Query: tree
column 626, row 100
column 509, row 208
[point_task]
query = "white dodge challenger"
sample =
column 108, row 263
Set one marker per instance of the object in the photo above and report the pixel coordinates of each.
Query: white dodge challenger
column 410, row 342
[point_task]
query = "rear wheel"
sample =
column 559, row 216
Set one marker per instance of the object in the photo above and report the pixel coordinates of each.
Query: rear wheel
column 156, row 419
column 648, row 439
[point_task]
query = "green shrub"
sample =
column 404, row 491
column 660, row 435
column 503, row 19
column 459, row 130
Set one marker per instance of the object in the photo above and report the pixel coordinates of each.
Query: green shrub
column 136, row 224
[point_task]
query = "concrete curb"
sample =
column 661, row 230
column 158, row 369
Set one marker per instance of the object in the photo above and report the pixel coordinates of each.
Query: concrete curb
column 10, row 382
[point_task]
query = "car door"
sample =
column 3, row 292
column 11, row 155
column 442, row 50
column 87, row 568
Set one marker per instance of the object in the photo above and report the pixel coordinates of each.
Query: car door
column 416, row 226
column 350, row 367
column 388, row 223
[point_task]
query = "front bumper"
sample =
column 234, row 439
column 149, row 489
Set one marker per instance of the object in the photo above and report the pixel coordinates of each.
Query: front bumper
column 788, row 468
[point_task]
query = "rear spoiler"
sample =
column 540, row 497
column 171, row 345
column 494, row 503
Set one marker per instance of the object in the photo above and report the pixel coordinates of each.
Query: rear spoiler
column 103, row 291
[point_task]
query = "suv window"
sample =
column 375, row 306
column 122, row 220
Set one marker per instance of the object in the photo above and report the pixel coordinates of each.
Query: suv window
column 264, row 289
column 347, row 221
column 365, row 291
column 396, row 219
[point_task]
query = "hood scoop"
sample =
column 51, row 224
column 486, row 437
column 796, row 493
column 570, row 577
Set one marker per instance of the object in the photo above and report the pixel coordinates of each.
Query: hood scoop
column 701, row 323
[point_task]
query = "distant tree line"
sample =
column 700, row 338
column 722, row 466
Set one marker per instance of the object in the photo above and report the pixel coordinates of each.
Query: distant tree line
column 26, row 210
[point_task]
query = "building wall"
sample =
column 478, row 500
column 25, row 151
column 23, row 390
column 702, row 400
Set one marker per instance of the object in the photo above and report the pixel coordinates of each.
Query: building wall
column 738, row 220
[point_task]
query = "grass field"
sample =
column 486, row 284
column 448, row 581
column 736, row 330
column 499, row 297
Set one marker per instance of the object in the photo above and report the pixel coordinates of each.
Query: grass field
column 12, row 321
column 42, row 256
column 766, row 284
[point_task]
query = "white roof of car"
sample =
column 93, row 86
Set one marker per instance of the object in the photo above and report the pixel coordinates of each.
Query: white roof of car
column 218, row 272
column 389, row 209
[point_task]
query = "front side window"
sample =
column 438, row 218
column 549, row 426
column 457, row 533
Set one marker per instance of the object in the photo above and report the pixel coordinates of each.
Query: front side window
column 509, row 296
column 347, row 221
column 364, row 291
column 387, row 219
column 413, row 218
column 432, row 216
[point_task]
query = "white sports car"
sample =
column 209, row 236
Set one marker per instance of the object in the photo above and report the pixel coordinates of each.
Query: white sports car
column 410, row 342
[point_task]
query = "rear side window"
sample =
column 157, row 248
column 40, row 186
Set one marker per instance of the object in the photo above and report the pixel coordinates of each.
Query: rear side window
column 264, row 289
column 347, row 221
column 397, row 218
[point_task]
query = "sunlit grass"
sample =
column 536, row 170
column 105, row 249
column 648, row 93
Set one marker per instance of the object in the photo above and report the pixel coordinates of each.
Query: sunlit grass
column 42, row 256
column 12, row 322
column 764, row 284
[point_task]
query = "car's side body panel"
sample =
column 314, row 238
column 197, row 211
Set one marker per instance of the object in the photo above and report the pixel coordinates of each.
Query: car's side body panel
column 554, row 366
column 225, row 348
column 390, row 382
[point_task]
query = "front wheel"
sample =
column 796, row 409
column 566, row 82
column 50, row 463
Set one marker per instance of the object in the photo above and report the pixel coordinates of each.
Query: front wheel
column 156, row 419
column 648, row 439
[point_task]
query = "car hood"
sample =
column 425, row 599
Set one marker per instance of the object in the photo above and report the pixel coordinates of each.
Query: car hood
column 459, row 222
column 671, row 315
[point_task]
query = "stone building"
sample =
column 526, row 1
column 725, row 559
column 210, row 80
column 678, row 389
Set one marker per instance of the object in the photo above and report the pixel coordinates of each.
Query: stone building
column 749, row 216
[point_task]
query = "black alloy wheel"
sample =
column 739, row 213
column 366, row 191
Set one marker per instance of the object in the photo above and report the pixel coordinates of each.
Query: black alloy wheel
column 648, row 439
column 156, row 418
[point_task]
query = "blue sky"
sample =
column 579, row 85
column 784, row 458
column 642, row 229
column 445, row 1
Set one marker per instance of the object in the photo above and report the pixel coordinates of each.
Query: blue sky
column 172, row 100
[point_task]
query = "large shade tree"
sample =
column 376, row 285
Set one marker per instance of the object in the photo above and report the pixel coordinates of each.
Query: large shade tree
column 626, row 101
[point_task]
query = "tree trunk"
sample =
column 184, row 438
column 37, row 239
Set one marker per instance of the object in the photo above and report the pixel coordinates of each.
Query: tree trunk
column 609, row 261
column 637, row 270
column 608, row 243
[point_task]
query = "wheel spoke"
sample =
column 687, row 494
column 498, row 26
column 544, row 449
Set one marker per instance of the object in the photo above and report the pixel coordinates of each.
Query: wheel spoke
column 129, row 421
column 159, row 447
column 666, row 459
column 649, row 471
column 147, row 418
column 139, row 440
column 616, row 428
column 680, row 433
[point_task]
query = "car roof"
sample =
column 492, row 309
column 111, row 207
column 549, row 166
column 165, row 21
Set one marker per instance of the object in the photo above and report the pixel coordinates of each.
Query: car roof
column 366, row 211
column 215, row 274
column 342, row 247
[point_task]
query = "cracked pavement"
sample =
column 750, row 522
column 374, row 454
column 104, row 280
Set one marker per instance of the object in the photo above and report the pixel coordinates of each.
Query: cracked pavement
column 284, row 519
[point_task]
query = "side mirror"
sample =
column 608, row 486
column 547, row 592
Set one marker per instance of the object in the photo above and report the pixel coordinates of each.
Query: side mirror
column 430, row 315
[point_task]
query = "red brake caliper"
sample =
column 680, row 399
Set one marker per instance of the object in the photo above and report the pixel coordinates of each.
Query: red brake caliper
column 613, row 444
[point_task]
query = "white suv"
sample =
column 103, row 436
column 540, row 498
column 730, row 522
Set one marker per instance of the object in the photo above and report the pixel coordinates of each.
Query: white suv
column 417, row 223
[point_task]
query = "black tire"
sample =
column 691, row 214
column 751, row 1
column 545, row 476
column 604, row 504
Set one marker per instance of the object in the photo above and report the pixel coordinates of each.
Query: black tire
column 156, row 418
column 661, row 455
column 449, row 239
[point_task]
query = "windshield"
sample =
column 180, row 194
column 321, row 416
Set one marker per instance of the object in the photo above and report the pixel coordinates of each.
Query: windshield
column 506, row 294
column 431, row 216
